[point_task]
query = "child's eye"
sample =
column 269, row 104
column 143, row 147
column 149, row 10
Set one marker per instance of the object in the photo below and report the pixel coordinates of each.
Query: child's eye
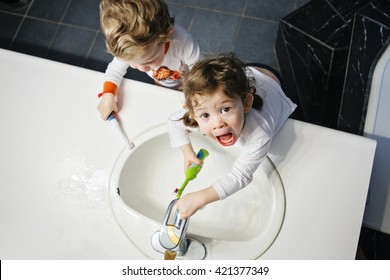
column 204, row 115
column 225, row 109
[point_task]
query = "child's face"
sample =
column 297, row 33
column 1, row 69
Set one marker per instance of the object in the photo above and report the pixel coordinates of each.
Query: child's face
column 150, row 60
column 221, row 117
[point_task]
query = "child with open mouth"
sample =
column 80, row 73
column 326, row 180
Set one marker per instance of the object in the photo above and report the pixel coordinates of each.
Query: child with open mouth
column 233, row 104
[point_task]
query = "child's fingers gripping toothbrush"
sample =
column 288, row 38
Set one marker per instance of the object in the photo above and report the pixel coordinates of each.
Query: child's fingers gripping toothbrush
column 192, row 172
column 114, row 120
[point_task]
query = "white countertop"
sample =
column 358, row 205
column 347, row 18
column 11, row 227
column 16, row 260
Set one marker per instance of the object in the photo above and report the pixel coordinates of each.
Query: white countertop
column 57, row 155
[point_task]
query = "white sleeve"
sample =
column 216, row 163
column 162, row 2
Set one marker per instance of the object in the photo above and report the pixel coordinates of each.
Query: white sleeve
column 115, row 71
column 242, row 171
column 255, row 142
column 178, row 132
column 191, row 52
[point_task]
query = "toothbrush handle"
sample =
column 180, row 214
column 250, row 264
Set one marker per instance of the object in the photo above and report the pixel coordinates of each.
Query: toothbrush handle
column 180, row 191
column 111, row 116
column 112, row 119
column 192, row 171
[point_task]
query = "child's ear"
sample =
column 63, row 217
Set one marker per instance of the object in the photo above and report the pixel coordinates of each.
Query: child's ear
column 248, row 102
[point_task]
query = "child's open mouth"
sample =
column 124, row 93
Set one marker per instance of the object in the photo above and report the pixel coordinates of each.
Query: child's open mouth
column 226, row 139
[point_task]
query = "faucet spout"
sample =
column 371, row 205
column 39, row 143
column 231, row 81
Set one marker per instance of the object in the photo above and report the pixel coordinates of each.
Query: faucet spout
column 173, row 236
column 173, row 231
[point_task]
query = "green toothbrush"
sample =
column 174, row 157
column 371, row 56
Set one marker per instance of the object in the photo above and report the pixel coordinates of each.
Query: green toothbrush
column 192, row 171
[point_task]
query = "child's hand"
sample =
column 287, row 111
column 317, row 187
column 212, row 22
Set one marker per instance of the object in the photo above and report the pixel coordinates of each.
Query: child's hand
column 192, row 202
column 189, row 156
column 107, row 105
column 189, row 204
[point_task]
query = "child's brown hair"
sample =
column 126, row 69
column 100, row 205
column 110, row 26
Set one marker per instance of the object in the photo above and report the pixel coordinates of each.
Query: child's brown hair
column 133, row 27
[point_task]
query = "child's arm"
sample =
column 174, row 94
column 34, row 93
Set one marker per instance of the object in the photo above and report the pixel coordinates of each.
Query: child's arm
column 191, row 52
column 188, row 50
column 113, row 77
column 178, row 132
column 179, row 137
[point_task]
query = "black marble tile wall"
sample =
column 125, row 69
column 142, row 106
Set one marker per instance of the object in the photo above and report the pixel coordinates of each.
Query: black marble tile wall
column 312, row 46
column 375, row 245
column 370, row 36
column 327, row 52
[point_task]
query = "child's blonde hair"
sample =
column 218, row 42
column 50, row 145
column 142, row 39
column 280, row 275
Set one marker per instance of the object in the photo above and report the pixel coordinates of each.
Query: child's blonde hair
column 133, row 27
column 224, row 72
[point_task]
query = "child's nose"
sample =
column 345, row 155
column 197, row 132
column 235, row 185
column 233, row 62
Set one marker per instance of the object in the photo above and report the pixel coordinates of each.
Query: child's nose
column 218, row 122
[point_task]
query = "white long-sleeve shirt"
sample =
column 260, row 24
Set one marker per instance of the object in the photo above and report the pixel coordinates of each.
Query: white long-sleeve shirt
column 182, row 54
column 256, row 136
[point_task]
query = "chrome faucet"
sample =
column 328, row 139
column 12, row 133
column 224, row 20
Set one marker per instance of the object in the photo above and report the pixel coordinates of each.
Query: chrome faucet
column 173, row 237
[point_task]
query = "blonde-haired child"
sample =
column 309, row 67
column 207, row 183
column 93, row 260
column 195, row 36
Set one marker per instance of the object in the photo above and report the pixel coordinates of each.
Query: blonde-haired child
column 141, row 34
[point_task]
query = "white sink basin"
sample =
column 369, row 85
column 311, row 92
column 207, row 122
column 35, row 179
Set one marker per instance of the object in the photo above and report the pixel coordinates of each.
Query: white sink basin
column 243, row 226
